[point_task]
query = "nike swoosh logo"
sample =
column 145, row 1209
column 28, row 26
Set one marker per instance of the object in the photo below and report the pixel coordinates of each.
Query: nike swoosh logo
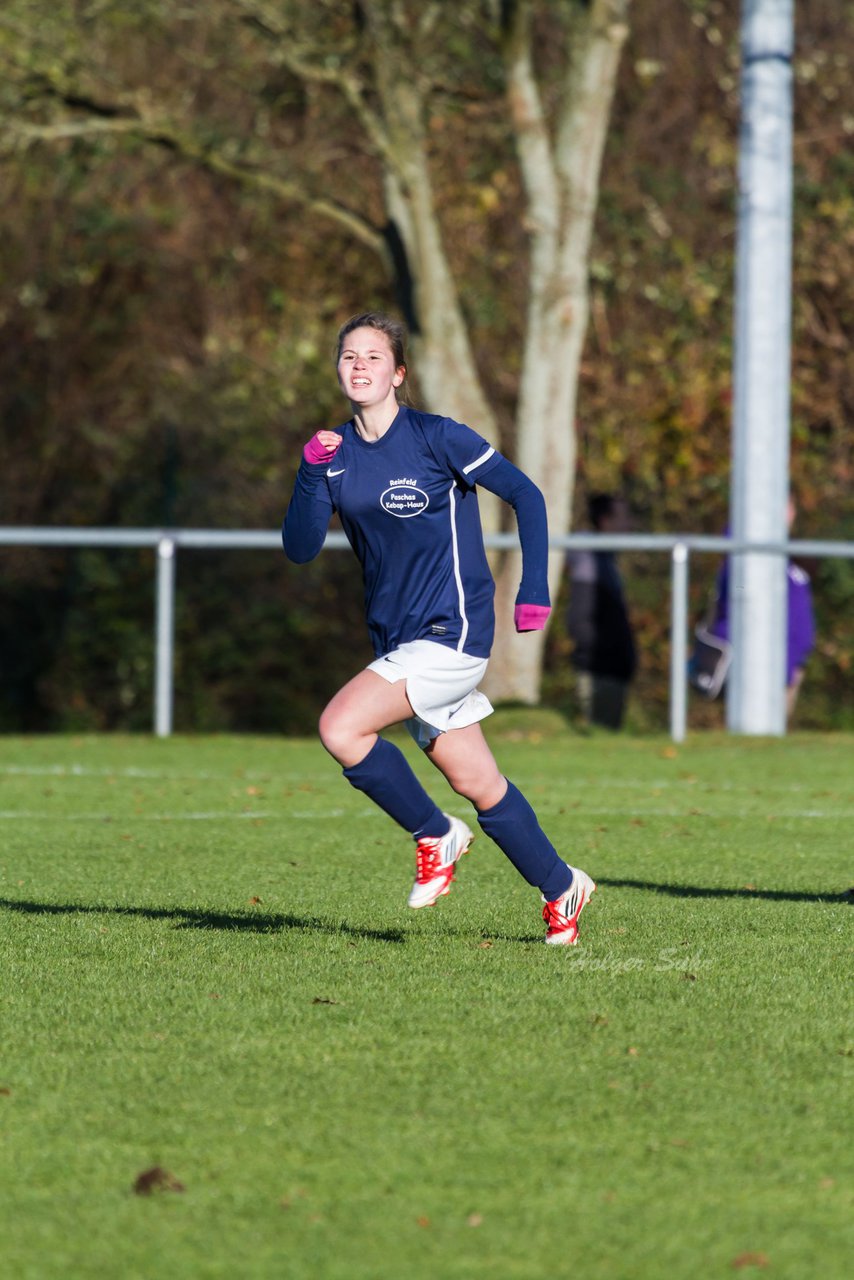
column 330, row 472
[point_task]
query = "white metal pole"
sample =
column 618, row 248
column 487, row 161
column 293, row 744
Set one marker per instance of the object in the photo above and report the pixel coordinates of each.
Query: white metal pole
column 678, row 642
column 761, row 374
column 164, row 637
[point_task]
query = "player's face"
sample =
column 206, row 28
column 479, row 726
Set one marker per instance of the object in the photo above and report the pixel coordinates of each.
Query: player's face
column 366, row 368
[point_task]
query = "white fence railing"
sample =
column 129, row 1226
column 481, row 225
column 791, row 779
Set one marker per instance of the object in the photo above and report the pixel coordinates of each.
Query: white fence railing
column 167, row 542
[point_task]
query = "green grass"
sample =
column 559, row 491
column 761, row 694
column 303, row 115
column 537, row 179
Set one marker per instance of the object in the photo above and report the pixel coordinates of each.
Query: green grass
column 208, row 966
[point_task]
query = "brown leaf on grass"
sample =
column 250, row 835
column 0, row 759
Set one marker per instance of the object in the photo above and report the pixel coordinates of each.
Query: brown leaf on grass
column 5, row 1091
column 254, row 902
column 749, row 1260
column 423, row 1221
column 632, row 1051
column 287, row 1201
column 156, row 1179
column 487, row 942
column 474, row 1220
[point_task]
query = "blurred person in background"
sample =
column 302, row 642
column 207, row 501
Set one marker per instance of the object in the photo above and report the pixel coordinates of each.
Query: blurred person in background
column 604, row 656
column 800, row 625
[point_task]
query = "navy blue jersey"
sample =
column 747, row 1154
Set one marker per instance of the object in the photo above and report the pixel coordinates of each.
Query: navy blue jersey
column 409, row 508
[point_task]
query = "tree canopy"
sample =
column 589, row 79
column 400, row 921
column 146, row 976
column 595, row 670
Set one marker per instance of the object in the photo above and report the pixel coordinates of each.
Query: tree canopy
column 196, row 196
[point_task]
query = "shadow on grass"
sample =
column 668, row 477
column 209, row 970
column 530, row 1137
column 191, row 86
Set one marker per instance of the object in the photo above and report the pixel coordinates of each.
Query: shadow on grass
column 267, row 922
column 701, row 891
column 190, row 918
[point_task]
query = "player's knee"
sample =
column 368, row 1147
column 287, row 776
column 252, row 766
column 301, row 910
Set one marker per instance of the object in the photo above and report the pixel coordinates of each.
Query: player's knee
column 327, row 728
column 481, row 790
column 466, row 783
column 335, row 734
column 461, row 783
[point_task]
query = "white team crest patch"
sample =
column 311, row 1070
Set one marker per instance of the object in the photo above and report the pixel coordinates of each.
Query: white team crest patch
column 403, row 499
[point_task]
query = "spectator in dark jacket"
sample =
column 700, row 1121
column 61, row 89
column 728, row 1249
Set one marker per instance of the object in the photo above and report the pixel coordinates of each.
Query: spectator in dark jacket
column 598, row 621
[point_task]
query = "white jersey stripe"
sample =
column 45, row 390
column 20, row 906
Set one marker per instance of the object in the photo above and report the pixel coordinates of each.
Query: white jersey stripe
column 484, row 457
column 455, row 551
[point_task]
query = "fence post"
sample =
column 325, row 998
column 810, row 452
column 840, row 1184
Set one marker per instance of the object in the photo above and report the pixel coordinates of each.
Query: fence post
column 164, row 637
column 678, row 641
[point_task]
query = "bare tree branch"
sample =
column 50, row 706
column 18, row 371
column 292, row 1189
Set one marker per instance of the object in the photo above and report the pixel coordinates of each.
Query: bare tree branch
column 17, row 137
column 312, row 72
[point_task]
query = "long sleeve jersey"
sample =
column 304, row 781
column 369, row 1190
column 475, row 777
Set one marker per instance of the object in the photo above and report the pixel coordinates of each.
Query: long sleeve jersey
column 408, row 506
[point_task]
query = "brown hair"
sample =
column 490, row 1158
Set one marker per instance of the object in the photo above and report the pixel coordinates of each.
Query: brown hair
column 383, row 323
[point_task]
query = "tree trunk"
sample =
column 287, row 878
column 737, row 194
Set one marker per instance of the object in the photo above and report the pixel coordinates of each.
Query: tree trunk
column 384, row 81
column 446, row 370
column 562, row 185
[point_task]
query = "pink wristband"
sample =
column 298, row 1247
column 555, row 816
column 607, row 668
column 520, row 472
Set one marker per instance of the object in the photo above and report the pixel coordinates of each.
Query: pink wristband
column 314, row 451
column 531, row 617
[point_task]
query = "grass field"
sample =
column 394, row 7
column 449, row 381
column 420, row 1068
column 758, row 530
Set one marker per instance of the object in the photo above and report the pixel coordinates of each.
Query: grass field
column 208, row 968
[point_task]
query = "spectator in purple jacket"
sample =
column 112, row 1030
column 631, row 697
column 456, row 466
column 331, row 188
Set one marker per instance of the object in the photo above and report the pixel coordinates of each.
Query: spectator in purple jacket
column 801, row 623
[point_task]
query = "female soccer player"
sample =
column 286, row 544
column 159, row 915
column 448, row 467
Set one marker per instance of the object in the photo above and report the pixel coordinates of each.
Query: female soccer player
column 404, row 485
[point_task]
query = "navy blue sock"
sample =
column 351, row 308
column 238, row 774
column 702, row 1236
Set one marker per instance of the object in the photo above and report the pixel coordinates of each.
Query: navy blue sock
column 387, row 778
column 513, row 825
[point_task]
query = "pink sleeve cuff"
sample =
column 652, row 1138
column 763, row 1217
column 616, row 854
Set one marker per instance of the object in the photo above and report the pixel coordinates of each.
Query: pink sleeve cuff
column 531, row 617
column 314, row 451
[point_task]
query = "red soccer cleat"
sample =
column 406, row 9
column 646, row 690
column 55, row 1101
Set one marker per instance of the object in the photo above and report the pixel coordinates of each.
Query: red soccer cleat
column 435, row 860
column 561, row 916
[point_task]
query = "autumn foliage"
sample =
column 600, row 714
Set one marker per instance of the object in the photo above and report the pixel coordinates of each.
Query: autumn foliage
column 166, row 336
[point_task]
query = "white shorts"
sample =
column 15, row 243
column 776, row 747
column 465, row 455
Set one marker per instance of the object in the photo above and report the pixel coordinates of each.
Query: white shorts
column 441, row 685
